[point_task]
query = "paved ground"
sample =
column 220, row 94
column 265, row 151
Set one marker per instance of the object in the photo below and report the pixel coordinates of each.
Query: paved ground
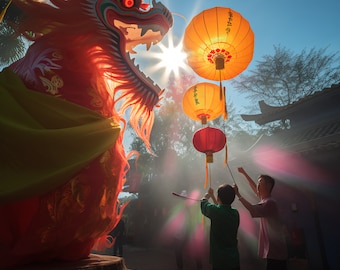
column 151, row 258
column 143, row 258
column 156, row 259
column 164, row 259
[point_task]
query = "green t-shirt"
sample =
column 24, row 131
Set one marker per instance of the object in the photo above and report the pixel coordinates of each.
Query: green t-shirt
column 225, row 221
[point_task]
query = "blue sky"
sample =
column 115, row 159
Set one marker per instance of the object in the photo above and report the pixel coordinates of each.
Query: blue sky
column 294, row 24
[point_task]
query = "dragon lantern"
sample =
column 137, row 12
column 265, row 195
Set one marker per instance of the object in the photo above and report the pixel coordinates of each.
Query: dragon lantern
column 62, row 125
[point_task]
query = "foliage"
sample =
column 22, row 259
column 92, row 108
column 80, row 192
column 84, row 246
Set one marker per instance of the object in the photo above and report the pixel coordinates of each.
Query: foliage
column 12, row 47
column 285, row 77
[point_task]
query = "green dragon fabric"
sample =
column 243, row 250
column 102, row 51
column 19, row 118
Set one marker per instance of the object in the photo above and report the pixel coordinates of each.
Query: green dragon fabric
column 45, row 140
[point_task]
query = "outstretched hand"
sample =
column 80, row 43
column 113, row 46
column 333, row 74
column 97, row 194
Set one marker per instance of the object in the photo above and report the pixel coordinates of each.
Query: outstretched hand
column 237, row 193
column 241, row 170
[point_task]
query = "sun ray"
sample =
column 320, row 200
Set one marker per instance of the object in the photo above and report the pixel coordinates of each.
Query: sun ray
column 171, row 58
column 163, row 59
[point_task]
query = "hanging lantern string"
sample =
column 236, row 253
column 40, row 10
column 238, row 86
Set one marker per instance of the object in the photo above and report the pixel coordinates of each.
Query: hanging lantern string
column 209, row 176
column 231, row 174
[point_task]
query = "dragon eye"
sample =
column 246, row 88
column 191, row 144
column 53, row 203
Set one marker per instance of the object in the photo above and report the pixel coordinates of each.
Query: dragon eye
column 128, row 3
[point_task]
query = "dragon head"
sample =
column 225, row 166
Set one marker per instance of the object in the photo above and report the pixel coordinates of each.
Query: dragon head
column 135, row 23
column 130, row 23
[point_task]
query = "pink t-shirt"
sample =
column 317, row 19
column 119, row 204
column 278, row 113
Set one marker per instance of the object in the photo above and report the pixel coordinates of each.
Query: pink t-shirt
column 272, row 244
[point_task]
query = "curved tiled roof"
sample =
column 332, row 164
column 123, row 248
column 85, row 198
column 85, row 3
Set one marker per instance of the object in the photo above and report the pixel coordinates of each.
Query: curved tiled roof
column 318, row 136
column 272, row 113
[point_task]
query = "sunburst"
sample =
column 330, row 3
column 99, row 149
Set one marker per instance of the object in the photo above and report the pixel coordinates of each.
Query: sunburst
column 172, row 58
column 164, row 59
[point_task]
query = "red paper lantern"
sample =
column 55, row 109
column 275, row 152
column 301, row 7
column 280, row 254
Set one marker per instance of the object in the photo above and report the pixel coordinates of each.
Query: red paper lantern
column 209, row 140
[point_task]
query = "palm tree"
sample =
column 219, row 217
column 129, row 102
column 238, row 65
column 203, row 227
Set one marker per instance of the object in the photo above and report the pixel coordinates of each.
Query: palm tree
column 12, row 45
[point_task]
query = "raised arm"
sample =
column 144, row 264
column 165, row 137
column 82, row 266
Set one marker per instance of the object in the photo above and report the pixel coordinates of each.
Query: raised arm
column 245, row 203
column 249, row 179
column 212, row 196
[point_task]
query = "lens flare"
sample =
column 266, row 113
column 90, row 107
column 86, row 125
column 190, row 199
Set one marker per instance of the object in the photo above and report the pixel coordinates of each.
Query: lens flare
column 284, row 163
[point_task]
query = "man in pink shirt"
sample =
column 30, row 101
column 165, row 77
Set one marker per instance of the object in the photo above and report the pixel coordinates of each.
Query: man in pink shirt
column 272, row 245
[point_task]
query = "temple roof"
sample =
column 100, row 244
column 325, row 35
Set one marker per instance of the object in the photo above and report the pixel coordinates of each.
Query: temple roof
column 323, row 136
column 317, row 134
column 273, row 113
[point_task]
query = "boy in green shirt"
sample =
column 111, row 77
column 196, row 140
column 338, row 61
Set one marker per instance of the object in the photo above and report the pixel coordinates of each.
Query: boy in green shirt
column 225, row 221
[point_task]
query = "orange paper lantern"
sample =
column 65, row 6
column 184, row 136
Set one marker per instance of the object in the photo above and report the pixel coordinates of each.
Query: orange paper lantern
column 203, row 102
column 219, row 43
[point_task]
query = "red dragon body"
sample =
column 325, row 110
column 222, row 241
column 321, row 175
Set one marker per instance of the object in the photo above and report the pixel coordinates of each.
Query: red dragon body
column 79, row 57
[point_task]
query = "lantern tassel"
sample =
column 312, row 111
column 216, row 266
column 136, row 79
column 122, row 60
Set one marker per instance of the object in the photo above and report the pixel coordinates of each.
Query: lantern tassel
column 225, row 116
column 226, row 154
column 221, row 92
column 203, row 220
column 206, row 175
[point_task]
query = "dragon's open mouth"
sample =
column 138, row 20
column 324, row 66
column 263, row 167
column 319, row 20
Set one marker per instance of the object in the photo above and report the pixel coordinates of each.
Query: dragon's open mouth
column 138, row 24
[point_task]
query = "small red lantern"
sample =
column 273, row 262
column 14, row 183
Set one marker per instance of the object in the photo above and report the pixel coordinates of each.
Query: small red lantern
column 209, row 140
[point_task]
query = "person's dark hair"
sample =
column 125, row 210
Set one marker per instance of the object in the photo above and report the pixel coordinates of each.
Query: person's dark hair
column 269, row 180
column 226, row 194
